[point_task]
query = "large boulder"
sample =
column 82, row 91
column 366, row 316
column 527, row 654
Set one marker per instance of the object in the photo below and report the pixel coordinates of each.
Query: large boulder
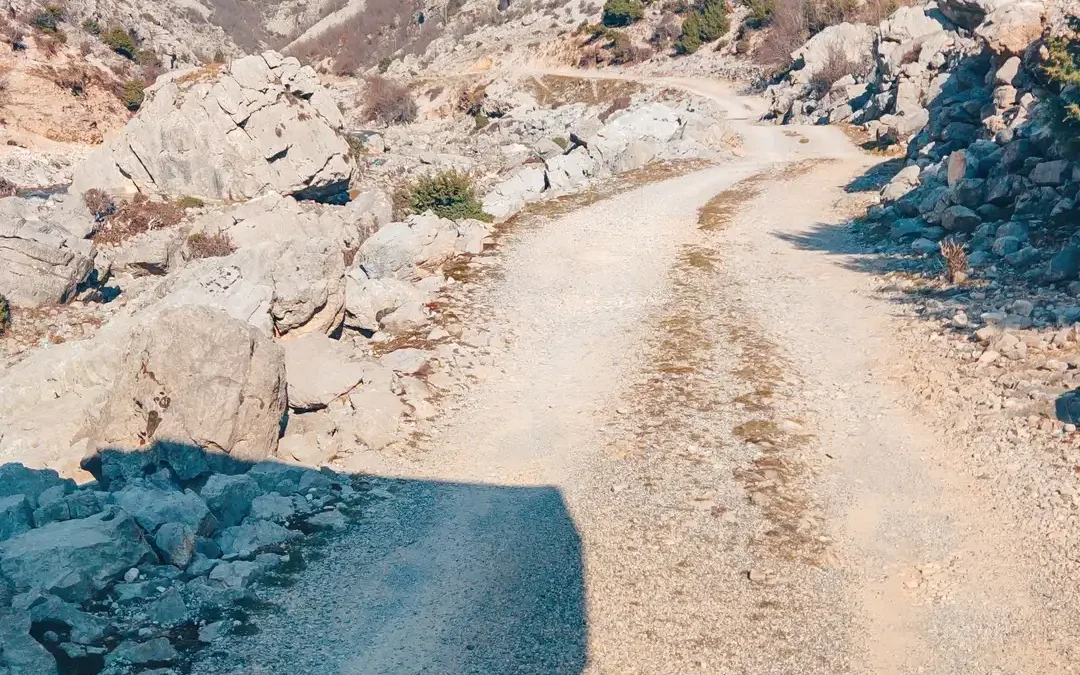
column 319, row 370
column 40, row 263
column 400, row 250
column 369, row 301
column 1010, row 28
column 75, row 559
column 910, row 23
column 854, row 40
column 968, row 14
column 262, row 124
column 20, row 653
column 198, row 377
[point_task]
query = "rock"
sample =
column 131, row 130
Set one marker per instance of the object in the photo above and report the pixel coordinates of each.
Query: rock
column 277, row 477
column 176, row 544
column 1064, row 265
column 1010, row 28
column 169, row 610
column 15, row 516
column 905, row 227
column 236, row 574
column 377, row 416
column 198, row 377
column 21, row 654
column 228, row 135
column 82, row 628
column 75, row 559
column 230, row 497
column 319, row 370
column 902, row 183
column 510, row 196
column 909, row 23
column 40, row 263
column 924, row 246
column 244, row 541
column 212, row 632
column 969, row 192
column 155, row 651
column 273, row 507
column 153, row 508
column 16, row 479
column 1051, row 173
column 855, row 41
column 968, row 14
column 1004, row 246
column 1008, row 71
column 408, row 361
column 369, row 300
column 960, row 219
column 309, row 289
column 329, row 520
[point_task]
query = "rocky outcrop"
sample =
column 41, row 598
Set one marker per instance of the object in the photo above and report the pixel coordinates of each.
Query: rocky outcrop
column 40, row 262
column 260, row 125
column 195, row 376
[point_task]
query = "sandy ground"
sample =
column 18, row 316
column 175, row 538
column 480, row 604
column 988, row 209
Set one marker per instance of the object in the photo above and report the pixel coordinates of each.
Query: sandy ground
column 694, row 459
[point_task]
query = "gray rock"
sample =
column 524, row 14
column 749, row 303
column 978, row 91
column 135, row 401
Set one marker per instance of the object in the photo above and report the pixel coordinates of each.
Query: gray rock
column 960, row 219
column 273, row 507
column 212, row 632
column 176, row 544
column 407, row 361
column 1004, row 246
column 329, row 520
column 244, row 541
column 968, row 14
column 15, row 516
column 196, row 376
column 1006, row 74
column 367, row 301
column 1051, row 173
column 309, row 290
column 1011, row 27
column 83, row 628
column 1064, row 265
column 969, row 192
column 16, row 479
column 236, row 574
column 855, row 41
column 231, row 136
column 319, row 370
column 40, row 263
column 75, row 559
column 278, row 477
column 53, row 512
column 905, row 227
column 155, row 651
column 1025, row 257
column 230, row 497
column 169, row 610
column 924, row 246
column 21, row 654
column 153, row 508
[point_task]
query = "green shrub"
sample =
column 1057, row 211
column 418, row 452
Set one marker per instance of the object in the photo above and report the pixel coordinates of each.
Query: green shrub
column 48, row 19
column 1062, row 70
column 760, row 11
column 356, row 148
column 120, row 41
column 5, row 315
column 450, row 194
column 561, row 142
column 480, row 120
column 690, row 40
column 189, row 202
column 622, row 12
column 384, row 64
column 91, row 26
column 133, row 94
column 714, row 20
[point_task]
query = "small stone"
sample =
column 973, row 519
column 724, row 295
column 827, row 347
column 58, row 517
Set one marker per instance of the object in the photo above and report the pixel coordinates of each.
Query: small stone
column 131, row 576
column 212, row 631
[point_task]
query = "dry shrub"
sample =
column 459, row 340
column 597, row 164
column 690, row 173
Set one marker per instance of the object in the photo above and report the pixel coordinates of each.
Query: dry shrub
column 5, row 88
column 471, row 101
column 7, row 188
column 210, row 246
column 49, row 43
column 73, row 78
column 620, row 103
column 85, row 48
column 788, row 30
column 138, row 216
column 15, row 38
column 388, row 102
column 955, row 260
column 100, row 203
column 837, row 65
column 666, row 32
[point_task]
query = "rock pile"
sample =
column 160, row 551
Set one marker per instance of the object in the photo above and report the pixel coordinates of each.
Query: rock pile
column 142, row 566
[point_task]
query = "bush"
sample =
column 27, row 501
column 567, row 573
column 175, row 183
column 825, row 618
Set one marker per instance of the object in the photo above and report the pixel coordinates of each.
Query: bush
column 690, row 40
column 388, row 102
column 787, row 32
column 714, row 20
column 1062, row 70
column 837, row 65
column 384, row 64
column 133, row 94
column 100, row 204
column 120, row 41
column 210, row 246
column 759, row 12
column 7, row 188
column 74, row 79
column 450, row 194
column 48, row 19
column 356, row 148
column 92, row 26
column 189, row 202
column 622, row 12
column 480, row 120
column 5, row 315
column 138, row 216
column 561, row 142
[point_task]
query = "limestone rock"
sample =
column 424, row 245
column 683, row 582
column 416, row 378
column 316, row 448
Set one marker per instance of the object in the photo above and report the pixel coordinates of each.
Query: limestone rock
column 153, row 508
column 198, row 377
column 15, row 516
column 1011, row 27
column 21, row 654
column 40, row 263
column 235, row 134
column 230, row 497
column 319, row 370
column 369, row 300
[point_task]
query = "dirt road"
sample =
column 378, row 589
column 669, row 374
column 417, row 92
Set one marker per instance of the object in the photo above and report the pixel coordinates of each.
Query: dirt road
column 692, row 460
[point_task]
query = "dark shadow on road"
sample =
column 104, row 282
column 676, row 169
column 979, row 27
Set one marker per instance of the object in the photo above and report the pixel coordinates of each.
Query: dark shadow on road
column 427, row 577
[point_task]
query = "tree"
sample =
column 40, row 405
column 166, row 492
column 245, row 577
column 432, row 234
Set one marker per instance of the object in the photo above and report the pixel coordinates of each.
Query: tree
column 690, row 40
column 622, row 12
column 714, row 20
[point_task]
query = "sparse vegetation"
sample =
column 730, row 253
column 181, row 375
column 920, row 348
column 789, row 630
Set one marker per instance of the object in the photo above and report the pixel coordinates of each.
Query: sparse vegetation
column 1062, row 70
column 480, row 120
column 133, row 94
column 690, row 39
column 135, row 217
column 100, row 204
column 837, row 65
column 561, row 142
column 91, row 26
column 189, row 202
column 619, row 13
column 356, row 148
column 388, row 102
column 705, row 24
column 450, row 194
column 5, row 316
column 955, row 260
column 202, row 245
column 7, row 188
column 73, row 78
column 48, row 19
column 667, row 32
column 5, row 88
column 384, row 64
column 120, row 41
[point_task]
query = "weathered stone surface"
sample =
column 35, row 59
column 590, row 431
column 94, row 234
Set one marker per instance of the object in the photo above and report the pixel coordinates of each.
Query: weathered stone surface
column 175, row 543
column 232, row 135
column 308, row 289
column 155, row 651
column 16, row 479
column 1064, row 265
column 855, row 41
column 968, row 14
column 319, row 370
column 40, row 263
column 15, row 516
column 21, row 654
column 273, row 507
column 960, row 219
column 153, row 508
column 230, row 497
column 1010, row 28
column 509, row 196
column 235, row 574
column 1051, row 173
column 369, row 300
column 244, row 541
column 85, row 628
column 196, row 376
column 77, row 558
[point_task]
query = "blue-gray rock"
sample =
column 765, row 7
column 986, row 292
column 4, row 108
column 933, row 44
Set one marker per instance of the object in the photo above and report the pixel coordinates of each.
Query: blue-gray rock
column 273, row 507
column 83, row 628
column 153, row 508
column 236, row 574
column 130, row 652
column 16, row 479
column 15, row 516
column 169, row 610
column 960, row 219
column 1064, row 265
column 335, row 520
column 230, row 497
column 244, row 541
column 175, row 543
column 1051, row 173
column 76, row 559
column 21, row 654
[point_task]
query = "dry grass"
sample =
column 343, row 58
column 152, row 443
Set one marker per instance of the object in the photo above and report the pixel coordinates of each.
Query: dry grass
column 388, row 102
column 837, row 65
column 7, row 188
column 956, row 262
column 620, row 103
column 135, row 217
column 210, row 246
column 553, row 91
column 100, row 203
